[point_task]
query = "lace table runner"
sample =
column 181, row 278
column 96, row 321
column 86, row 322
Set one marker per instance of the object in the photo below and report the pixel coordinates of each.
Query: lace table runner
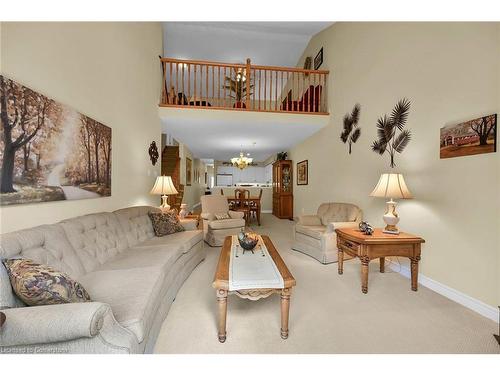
column 252, row 271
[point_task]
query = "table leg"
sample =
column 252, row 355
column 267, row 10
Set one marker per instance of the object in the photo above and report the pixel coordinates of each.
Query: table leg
column 414, row 273
column 222, row 303
column 285, row 309
column 382, row 264
column 258, row 213
column 364, row 273
column 340, row 254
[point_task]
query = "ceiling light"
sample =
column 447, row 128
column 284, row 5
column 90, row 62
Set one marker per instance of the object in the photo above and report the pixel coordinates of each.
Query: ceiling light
column 242, row 161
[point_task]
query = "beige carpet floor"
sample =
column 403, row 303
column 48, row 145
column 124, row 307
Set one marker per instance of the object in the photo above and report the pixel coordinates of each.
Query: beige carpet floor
column 328, row 313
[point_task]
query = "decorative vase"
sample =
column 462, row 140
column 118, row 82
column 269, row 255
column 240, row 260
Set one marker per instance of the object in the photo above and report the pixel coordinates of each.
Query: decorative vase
column 184, row 211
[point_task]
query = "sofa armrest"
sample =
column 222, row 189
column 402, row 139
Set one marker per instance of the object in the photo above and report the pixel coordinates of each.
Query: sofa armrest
column 236, row 214
column 309, row 220
column 207, row 216
column 52, row 323
column 341, row 224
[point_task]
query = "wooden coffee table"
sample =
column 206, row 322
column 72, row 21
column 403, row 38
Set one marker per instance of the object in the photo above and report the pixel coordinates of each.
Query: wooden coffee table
column 378, row 245
column 221, row 284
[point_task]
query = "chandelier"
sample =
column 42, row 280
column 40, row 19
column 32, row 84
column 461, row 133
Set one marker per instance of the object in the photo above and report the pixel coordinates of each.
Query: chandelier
column 242, row 161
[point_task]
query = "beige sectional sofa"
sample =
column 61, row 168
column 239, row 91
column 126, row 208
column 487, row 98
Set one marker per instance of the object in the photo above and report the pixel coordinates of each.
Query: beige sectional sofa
column 131, row 275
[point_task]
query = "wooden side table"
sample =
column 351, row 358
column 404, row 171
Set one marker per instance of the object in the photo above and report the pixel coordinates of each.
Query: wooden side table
column 378, row 245
column 193, row 217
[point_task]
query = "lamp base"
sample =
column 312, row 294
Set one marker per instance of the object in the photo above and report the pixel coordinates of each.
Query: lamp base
column 165, row 207
column 391, row 218
column 391, row 229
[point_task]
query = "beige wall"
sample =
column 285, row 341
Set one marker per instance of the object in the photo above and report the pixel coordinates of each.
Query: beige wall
column 450, row 72
column 108, row 71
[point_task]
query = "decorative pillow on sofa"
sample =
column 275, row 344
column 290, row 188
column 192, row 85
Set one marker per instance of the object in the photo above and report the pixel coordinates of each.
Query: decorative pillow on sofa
column 222, row 216
column 37, row 284
column 165, row 223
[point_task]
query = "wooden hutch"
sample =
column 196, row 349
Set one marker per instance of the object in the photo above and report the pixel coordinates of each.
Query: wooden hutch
column 283, row 189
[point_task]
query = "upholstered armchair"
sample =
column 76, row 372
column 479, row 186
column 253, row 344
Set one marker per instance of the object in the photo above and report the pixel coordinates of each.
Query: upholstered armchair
column 214, row 230
column 315, row 235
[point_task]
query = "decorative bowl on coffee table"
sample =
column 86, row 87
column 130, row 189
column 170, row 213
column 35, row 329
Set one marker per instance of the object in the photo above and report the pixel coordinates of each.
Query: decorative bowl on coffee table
column 248, row 241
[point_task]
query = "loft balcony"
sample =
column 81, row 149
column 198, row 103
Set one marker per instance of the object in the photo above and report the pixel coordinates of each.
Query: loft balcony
column 243, row 87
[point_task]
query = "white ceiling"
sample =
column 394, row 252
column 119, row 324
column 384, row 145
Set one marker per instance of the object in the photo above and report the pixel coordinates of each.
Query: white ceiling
column 265, row 43
column 219, row 135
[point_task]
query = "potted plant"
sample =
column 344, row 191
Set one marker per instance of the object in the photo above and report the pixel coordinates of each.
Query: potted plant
column 238, row 88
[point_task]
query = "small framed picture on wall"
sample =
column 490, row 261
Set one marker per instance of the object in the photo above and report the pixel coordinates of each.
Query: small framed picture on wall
column 302, row 172
column 318, row 60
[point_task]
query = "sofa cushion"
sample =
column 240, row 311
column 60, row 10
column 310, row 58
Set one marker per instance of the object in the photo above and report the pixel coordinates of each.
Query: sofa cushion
column 96, row 238
column 38, row 284
column 136, row 223
column 182, row 241
column 315, row 231
column 226, row 224
column 153, row 256
column 45, row 244
column 131, row 293
column 165, row 223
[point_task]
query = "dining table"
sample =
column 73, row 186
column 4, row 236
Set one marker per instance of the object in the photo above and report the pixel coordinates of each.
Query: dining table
column 252, row 200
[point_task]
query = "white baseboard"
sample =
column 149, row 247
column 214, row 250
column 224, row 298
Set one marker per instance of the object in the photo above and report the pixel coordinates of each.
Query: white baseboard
column 481, row 308
column 266, row 211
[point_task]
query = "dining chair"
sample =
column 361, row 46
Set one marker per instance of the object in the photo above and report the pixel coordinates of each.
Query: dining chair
column 255, row 207
column 242, row 204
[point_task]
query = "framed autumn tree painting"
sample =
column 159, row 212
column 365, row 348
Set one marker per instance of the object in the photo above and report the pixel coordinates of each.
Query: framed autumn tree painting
column 49, row 151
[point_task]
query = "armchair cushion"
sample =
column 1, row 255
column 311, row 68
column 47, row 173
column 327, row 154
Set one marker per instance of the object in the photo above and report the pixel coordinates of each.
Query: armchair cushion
column 207, row 216
column 222, row 216
column 226, row 224
column 236, row 214
column 339, row 212
column 310, row 220
column 315, row 231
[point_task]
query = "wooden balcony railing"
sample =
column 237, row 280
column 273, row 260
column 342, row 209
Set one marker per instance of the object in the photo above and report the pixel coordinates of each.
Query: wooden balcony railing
column 243, row 87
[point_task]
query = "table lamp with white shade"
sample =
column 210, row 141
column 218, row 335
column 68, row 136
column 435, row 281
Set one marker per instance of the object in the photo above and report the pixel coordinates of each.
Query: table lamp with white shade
column 164, row 186
column 391, row 185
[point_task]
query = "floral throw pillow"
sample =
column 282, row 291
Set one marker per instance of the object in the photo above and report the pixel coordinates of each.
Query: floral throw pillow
column 165, row 223
column 36, row 284
column 222, row 216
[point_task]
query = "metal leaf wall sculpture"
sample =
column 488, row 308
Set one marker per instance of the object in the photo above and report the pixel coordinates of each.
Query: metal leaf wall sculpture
column 391, row 132
column 351, row 133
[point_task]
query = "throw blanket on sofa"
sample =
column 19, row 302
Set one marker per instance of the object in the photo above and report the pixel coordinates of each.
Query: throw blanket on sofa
column 252, row 271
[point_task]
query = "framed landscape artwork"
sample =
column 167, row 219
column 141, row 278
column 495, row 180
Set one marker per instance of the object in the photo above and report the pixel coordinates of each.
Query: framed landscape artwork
column 302, row 172
column 189, row 171
column 473, row 137
column 48, row 150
